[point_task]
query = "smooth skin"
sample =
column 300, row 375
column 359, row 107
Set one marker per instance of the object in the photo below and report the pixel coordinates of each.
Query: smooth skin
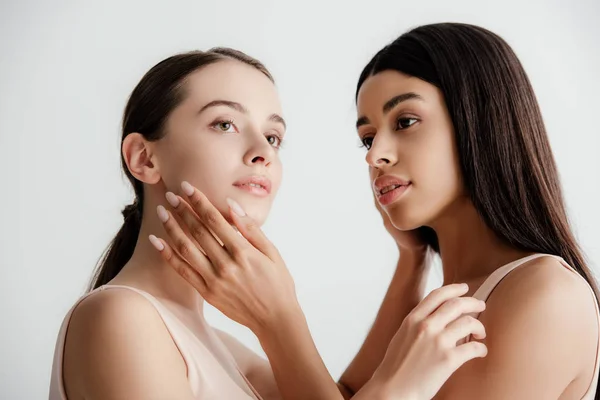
column 231, row 273
column 541, row 323
column 229, row 127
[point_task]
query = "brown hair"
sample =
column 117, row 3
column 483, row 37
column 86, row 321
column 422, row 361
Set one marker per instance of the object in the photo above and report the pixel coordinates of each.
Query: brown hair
column 505, row 156
column 158, row 93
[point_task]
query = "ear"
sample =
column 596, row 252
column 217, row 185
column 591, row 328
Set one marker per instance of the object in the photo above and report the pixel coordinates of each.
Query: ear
column 139, row 158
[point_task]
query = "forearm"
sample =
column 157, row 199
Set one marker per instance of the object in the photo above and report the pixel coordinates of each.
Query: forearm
column 380, row 387
column 298, row 368
column 375, row 390
column 405, row 291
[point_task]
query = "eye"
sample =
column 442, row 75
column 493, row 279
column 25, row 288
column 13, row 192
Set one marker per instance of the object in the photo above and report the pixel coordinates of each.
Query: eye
column 367, row 142
column 225, row 126
column 274, row 140
column 404, row 123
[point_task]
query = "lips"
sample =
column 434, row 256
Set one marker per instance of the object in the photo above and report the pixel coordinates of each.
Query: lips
column 388, row 183
column 389, row 188
column 256, row 184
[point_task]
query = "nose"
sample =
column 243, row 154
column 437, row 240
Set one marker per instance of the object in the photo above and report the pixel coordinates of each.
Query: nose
column 260, row 152
column 382, row 152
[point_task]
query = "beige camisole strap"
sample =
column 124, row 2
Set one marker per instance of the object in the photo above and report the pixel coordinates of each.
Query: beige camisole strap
column 497, row 276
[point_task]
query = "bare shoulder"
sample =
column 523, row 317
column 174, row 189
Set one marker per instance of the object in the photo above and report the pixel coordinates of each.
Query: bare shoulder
column 123, row 312
column 118, row 346
column 545, row 286
column 547, row 312
column 544, row 298
column 542, row 337
column 112, row 304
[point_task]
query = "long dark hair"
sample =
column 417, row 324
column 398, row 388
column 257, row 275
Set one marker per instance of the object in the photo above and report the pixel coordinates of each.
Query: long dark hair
column 158, row 93
column 505, row 157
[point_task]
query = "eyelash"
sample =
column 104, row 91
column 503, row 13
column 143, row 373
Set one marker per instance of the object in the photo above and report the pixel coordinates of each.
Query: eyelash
column 362, row 140
column 215, row 125
column 279, row 138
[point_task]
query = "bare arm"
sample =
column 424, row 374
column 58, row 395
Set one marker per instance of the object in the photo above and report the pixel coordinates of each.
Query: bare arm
column 295, row 356
column 297, row 365
column 542, row 339
column 405, row 291
column 420, row 358
column 117, row 347
column 246, row 279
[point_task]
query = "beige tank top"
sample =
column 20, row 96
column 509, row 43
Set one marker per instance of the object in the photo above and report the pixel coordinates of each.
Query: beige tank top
column 211, row 370
column 497, row 276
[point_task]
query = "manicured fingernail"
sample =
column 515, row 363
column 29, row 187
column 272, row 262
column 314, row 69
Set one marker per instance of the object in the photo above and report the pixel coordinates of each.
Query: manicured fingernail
column 163, row 215
column 172, row 199
column 236, row 207
column 187, row 188
column 156, row 243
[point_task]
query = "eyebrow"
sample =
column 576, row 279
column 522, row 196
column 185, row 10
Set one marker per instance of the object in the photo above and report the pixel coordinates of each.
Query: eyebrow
column 278, row 118
column 240, row 108
column 389, row 106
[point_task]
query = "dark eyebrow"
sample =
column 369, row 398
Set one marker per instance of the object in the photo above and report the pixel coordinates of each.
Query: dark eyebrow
column 390, row 104
column 394, row 101
column 362, row 121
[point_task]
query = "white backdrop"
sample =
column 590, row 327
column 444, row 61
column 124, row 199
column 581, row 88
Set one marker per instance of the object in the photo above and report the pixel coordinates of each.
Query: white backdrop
column 66, row 69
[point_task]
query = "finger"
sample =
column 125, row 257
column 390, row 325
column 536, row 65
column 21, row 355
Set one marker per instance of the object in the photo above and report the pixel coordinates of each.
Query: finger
column 251, row 231
column 466, row 352
column 212, row 218
column 436, row 298
column 454, row 308
column 184, row 246
column 178, row 264
column 463, row 327
column 201, row 234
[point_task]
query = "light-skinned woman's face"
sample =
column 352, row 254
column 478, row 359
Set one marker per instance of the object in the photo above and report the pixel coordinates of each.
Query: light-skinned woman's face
column 411, row 151
column 224, row 138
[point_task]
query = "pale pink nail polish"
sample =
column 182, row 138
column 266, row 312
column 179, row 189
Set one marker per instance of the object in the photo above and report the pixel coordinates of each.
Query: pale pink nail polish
column 172, row 199
column 187, row 188
column 236, row 207
column 163, row 215
column 156, row 243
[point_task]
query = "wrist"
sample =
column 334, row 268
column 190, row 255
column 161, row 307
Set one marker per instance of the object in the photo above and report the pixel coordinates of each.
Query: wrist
column 384, row 389
column 417, row 257
column 413, row 266
column 280, row 324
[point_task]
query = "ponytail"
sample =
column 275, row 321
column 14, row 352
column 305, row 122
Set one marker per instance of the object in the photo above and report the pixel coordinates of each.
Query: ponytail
column 121, row 248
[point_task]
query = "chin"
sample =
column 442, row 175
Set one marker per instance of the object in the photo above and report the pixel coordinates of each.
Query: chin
column 258, row 212
column 405, row 219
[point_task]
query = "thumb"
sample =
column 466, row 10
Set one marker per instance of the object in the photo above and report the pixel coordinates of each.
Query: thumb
column 251, row 231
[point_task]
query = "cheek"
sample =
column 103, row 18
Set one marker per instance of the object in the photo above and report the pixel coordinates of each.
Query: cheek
column 199, row 162
column 435, row 172
column 441, row 182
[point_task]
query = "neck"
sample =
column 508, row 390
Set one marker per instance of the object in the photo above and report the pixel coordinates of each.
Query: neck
column 469, row 249
column 148, row 271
